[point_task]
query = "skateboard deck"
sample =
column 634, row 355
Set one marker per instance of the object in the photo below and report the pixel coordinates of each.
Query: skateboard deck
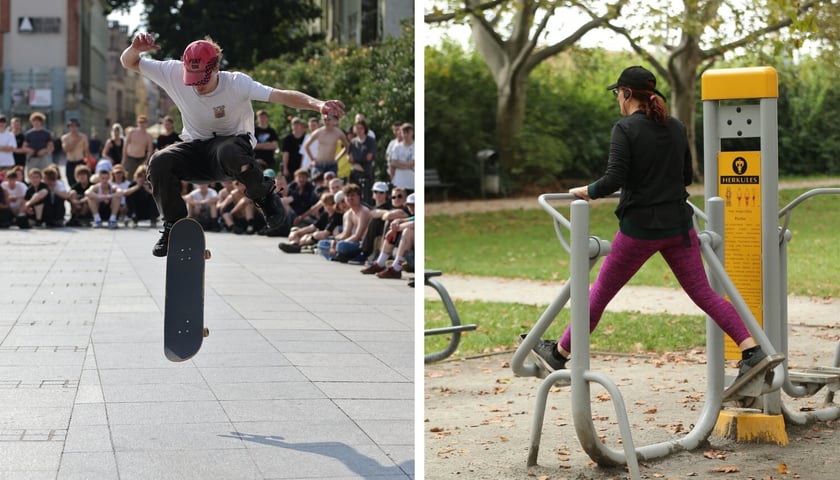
column 183, row 318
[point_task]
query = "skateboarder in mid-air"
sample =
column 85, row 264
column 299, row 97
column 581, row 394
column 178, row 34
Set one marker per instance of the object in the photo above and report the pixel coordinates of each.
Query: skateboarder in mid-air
column 218, row 141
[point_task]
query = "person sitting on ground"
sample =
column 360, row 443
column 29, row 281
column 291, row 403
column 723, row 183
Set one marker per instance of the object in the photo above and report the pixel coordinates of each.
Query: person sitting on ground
column 326, row 226
column 120, row 182
column 139, row 200
column 15, row 191
column 104, row 200
column 201, row 205
column 45, row 199
column 238, row 211
column 303, row 196
column 346, row 246
column 385, row 211
column 80, row 214
column 400, row 235
column 6, row 216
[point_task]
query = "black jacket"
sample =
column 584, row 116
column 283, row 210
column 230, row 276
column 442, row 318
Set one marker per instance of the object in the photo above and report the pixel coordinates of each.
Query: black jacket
column 651, row 164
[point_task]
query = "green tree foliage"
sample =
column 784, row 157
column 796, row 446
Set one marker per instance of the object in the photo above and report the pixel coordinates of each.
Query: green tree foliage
column 567, row 121
column 459, row 114
column 375, row 80
column 249, row 32
column 569, row 116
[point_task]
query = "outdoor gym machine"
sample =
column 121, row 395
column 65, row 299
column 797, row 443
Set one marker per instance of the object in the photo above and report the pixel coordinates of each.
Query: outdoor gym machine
column 757, row 247
column 740, row 135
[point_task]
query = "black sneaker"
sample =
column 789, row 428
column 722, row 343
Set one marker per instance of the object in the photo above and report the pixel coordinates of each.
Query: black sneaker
column 749, row 368
column 289, row 247
column 544, row 353
column 272, row 209
column 162, row 245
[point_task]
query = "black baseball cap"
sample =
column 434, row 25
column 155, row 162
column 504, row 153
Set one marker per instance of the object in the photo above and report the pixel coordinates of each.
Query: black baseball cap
column 637, row 78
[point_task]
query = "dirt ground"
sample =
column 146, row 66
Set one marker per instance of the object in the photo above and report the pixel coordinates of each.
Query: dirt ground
column 478, row 415
column 478, row 426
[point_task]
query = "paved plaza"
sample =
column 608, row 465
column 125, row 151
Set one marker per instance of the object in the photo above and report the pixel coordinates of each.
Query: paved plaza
column 308, row 371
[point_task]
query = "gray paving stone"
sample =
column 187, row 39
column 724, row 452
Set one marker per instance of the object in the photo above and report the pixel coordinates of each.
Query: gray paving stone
column 29, row 456
column 25, row 417
column 298, row 431
column 377, row 409
column 369, row 390
column 282, row 410
column 190, row 436
column 182, row 464
column 162, row 413
column 171, row 392
column 82, row 368
column 323, row 460
column 373, row 373
column 88, row 466
column 266, row 391
column 252, row 374
column 88, row 414
column 88, row 438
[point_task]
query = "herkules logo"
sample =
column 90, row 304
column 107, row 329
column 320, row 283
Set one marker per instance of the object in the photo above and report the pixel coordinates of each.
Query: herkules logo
column 739, row 167
column 194, row 65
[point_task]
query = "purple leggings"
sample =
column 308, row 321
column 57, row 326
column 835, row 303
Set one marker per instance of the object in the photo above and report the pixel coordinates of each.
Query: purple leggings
column 627, row 256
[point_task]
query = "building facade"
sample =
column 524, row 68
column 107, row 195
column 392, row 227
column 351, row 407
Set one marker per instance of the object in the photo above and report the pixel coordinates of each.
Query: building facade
column 53, row 57
column 362, row 21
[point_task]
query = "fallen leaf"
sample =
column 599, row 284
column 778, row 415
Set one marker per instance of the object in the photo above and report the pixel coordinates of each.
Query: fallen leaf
column 436, row 429
column 727, row 469
column 783, row 469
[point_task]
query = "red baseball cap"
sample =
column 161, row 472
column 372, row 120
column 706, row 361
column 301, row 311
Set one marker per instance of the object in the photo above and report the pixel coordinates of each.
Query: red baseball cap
column 200, row 58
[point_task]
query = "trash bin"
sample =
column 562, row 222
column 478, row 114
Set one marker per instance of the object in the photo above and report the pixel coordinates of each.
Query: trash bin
column 488, row 161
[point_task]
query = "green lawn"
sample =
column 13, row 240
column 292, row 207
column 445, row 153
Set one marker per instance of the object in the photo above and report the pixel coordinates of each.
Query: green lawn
column 523, row 244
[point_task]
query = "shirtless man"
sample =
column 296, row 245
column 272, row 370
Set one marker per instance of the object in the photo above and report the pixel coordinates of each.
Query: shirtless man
column 138, row 146
column 328, row 138
column 76, row 147
column 347, row 245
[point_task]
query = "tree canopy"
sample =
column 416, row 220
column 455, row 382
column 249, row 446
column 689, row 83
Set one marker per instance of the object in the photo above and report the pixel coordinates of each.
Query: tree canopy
column 249, row 32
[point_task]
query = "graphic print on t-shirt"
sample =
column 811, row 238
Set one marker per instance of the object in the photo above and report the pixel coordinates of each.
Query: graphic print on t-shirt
column 219, row 111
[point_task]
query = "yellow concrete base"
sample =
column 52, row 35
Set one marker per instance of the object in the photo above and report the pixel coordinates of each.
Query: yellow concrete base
column 751, row 427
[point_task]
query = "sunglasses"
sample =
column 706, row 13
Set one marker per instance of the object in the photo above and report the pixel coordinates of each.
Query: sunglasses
column 397, row 196
column 615, row 92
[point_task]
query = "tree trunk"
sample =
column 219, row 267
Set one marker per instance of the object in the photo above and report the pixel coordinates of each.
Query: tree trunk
column 510, row 117
column 683, row 67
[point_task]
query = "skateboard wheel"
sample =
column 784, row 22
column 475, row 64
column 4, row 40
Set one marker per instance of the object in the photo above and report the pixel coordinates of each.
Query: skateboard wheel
column 206, row 332
column 207, row 254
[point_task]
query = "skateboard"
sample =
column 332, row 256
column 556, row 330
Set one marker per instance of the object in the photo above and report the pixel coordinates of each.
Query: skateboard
column 183, row 317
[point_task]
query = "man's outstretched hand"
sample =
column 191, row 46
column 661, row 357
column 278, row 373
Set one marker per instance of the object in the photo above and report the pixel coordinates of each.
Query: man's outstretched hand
column 144, row 42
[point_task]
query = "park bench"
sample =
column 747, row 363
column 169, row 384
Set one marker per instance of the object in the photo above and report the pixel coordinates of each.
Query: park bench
column 455, row 328
column 432, row 181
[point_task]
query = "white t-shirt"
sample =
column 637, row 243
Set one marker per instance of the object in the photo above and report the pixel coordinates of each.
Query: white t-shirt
column 122, row 186
column 196, row 194
column 305, row 161
column 7, row 139
column 19, row 191
column 403, row 177
column 225, row 111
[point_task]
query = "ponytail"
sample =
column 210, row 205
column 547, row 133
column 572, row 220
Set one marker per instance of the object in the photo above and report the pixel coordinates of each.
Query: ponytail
column 655, row 108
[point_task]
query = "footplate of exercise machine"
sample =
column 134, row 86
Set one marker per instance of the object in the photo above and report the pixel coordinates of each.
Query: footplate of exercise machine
column 816, row 377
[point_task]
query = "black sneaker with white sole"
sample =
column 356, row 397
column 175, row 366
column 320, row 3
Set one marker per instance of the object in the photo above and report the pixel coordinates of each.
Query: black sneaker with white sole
column 162, row 245
column 750, row 368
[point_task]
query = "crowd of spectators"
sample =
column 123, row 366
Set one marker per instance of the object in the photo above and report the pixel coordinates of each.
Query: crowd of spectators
column 335, row 205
